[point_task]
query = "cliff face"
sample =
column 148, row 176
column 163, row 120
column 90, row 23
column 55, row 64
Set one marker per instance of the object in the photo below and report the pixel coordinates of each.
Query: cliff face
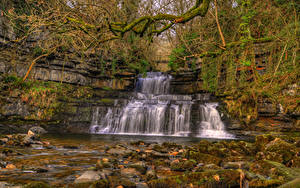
column 16, row 59
column 74, row 114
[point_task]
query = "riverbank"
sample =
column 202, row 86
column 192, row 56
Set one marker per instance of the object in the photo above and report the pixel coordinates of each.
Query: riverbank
column 91, row 161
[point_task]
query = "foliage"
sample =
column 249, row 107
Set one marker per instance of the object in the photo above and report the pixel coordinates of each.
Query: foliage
column 43, row 97
column 259, row 61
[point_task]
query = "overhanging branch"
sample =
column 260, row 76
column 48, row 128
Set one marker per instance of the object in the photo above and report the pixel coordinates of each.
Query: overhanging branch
column 144, row 23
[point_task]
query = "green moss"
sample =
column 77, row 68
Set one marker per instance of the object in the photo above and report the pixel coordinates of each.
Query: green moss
column 265, row 183
column 230, row 178
column 106, row 88
column 292, row 184
column 142, row 169
column 107, row 101
column 37, row 185
column 164, row 183
column 183, row 165
column 203, row 158
column 262, row 140
column 282, row 170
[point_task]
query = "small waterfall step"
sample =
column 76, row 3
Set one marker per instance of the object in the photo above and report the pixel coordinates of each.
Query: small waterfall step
column 153, row 111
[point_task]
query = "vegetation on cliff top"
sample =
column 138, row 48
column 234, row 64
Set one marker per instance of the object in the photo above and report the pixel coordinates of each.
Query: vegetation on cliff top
column 247, row 50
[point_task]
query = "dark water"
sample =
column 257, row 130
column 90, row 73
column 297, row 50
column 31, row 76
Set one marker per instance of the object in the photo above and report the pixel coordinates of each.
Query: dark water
column 118, row 138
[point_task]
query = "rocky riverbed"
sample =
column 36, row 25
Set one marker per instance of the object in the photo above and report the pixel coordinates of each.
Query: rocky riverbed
column 66, row 162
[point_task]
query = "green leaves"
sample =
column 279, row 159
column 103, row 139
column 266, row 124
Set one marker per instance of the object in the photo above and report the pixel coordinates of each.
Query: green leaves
column 246, row 63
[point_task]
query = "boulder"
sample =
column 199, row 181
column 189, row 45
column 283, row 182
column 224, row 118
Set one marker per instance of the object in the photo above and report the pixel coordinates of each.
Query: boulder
column 36, row 131
column 183, row 165
column 88, row 176
column 130, row 172
column 280, row 151
column 151, row 175
column 235, row 165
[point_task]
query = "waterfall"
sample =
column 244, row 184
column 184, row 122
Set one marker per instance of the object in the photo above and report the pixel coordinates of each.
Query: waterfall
column 154, row 111
column 211, row 124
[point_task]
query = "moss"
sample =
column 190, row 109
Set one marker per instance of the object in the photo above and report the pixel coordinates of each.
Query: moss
column 37, row 185
column 164, row 183
column 107, row 101
column 262, row 140
column 203, row 158
column 80, row 185
column 116, row 181
column 203, row 146
column 142, row 169
column 171, row 145
column 282, row 170
column 183, row 165
column 100, row 184
column 230, row 178
column 161, row 162
column 292, row 184
column 106, row 88
column 280, row 151
column 265, row 183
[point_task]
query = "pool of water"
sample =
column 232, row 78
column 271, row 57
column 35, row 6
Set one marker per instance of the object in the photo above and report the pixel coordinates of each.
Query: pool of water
column 121, row 138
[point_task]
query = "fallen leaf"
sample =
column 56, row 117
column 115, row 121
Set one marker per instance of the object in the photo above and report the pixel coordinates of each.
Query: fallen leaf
column 217, row 177
column 10, row 166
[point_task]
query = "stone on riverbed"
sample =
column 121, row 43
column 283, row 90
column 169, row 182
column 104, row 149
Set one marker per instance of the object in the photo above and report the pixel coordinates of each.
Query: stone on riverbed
column 36, row 131
column 88, row 176
column 236, row 165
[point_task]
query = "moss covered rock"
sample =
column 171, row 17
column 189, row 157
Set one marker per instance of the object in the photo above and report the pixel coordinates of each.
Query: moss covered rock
column 280, row 151
column 183, row 165
column 213, row 178
column 203, row 158
column 37, row 185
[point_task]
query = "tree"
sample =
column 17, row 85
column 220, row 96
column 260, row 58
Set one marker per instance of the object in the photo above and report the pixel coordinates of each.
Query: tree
column 150, row 24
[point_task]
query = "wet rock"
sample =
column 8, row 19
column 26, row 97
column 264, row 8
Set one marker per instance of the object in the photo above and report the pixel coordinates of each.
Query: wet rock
column 141, row 167
column 4, row 184
column 141, row 185
column 130, row 172
column 151, row 175
column 7, row 151
column 212, row 178
column 183, row 165
column 235, row 165
column 37, row 185
column 36, row 146
column 3, row 141
column 280, row 151
column 125, row 182
column 155, row 154
column 41, row 170
column 265, row 183
column 160, row 148
column 103, row 163
column 70, row 147
column 36, row 131
column 88, row 176
column 203, row 158
column 118, row 151
column 262, row 140
column 295, row 183
column 138, row 143
column 3, row 164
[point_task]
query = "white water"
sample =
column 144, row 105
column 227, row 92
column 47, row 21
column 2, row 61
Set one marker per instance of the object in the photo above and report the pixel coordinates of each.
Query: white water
column 211, row 124
column 155, row 112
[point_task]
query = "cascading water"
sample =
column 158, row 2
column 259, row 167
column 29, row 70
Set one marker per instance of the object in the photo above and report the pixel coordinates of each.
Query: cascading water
column 153, row 111
column 211, row 124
